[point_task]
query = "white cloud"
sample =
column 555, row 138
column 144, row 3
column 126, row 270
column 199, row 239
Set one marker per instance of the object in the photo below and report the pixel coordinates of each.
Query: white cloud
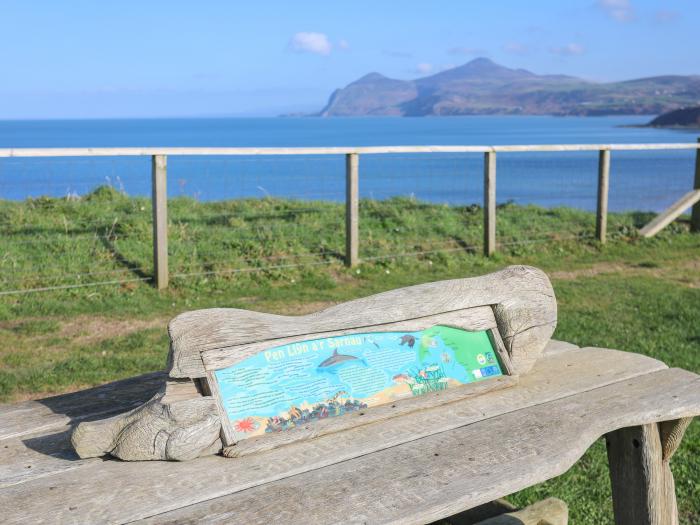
column 568, row 50
column 308, row 42
column 343, row 44
column 424, row 68
column 620, row 10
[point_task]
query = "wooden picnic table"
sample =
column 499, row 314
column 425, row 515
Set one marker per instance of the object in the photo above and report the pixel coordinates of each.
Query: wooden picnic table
column 414, row 468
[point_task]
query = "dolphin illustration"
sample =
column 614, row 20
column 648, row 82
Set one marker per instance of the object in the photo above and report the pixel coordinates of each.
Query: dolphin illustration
column 338, row 359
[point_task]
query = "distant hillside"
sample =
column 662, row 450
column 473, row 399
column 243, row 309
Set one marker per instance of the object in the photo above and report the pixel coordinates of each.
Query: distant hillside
column 679, row 118
column 482, row 87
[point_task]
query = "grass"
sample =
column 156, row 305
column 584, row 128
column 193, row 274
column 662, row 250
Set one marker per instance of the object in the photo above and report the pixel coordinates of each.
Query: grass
column 640, row 295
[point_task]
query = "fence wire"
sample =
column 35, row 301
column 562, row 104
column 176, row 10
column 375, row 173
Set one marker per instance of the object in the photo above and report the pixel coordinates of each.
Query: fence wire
column 74, row 222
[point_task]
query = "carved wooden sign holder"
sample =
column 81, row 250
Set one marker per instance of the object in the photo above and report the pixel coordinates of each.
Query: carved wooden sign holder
column 241, row 382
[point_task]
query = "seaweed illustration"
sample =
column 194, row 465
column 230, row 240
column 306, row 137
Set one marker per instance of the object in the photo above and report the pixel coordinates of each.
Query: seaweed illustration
column 427, row 379
column 332, row 407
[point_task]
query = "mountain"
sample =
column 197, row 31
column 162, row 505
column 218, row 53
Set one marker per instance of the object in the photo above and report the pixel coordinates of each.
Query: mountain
column 482, row 87
column 679, row 118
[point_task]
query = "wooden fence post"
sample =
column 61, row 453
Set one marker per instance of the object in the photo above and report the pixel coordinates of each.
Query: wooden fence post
column 160, row 220
column 489, row 203
column 695, row 215
column 601, row 224
column 352, row 161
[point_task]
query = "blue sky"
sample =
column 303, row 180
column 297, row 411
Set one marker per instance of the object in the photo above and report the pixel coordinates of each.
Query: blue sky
column 88, row 59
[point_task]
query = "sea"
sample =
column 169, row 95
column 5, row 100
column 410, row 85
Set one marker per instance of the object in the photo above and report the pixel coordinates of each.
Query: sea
column 639, row 180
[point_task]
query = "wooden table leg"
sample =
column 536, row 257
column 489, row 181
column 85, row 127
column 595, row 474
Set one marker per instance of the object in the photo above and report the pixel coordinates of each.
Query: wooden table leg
column 642, row 483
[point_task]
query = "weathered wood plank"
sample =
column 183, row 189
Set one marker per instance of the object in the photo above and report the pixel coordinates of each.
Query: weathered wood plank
column 642, row 482
column 667, row 216
column 35, row 456
column 373, row 415
column 56, row 413
column 551, row 511
column 48, row 452
column 555, row 346
column 671, row 433
column 695, row 214
column 118, row 152
column 473, row 319
column 442, row 474
column 480, row 318
column 352, row 209
column 160, row 220
column 601, row 225
column 489, row 203
column 521, row 297
column 154, row 487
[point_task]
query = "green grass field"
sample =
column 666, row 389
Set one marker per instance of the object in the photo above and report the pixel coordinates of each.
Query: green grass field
column 631, row 294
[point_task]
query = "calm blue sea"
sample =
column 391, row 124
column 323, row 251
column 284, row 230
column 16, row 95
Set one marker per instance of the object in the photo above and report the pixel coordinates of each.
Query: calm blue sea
column 639, row 180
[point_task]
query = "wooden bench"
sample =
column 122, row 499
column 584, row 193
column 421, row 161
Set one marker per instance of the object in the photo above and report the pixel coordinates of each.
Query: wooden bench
column 465, row 447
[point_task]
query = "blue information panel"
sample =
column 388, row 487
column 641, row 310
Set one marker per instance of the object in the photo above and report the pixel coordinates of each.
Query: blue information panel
column 294, row 384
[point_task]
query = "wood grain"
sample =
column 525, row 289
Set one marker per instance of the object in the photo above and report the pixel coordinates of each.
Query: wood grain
column 179, row 425
column 352, row 209
column 58, row 412
column 695, row 212
column 489, row 203
column 376, row 414
column 119, row 152
column 521, row 297
column 45, row 450
column 642, row 482
column 601, row 224
column 159, row 204
column 471, row 319
column 137, row 490
column 440, row 475
column 551, row 511
column 671, row 433
column 667, row 216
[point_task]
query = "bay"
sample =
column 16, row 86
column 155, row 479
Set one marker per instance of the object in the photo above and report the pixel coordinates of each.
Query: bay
column 644, row 180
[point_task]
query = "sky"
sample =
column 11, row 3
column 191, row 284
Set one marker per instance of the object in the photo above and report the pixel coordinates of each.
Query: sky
column 89, row 59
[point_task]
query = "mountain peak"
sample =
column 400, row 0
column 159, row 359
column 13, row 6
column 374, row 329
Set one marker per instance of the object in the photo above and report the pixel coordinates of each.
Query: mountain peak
column 371, row 77
column 483, row 87
column 481, row 62
column 480, row 69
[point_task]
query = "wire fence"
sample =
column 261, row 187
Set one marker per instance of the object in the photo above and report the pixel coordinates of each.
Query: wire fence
column 68, row 222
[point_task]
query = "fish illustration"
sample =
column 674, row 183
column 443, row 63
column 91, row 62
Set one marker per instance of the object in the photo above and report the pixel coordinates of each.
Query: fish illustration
column 408, row 340
column 445, row 357
column 337, row 359
column 337, row 396
column 401, row 378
